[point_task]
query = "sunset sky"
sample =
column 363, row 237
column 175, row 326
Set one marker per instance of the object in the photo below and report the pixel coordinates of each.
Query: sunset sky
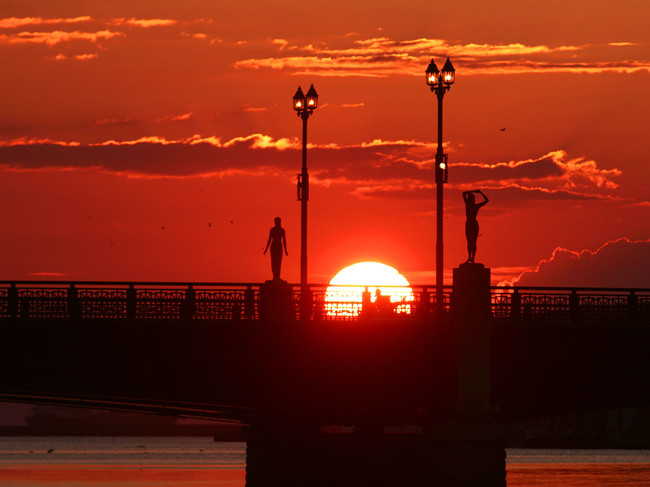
column 155, row 140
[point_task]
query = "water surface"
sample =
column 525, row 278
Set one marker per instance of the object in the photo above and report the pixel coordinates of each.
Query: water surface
column 200, row 462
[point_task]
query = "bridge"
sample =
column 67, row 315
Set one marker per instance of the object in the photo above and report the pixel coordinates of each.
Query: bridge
column 295, row 368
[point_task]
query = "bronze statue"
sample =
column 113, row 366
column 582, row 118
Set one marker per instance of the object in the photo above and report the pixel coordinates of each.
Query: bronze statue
column 471, row 225
column 277, row 240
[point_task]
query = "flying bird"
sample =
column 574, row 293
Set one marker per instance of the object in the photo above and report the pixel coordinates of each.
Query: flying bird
column 503, row 129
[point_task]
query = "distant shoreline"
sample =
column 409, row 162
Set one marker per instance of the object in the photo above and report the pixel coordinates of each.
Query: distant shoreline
column 233, row 433
column 219, row 432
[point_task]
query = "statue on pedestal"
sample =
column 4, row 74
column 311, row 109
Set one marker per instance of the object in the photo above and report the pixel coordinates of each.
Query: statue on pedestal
column 277, row 241
column 471, row 225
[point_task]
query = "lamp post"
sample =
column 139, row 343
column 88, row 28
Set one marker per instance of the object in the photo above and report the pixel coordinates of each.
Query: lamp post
column 304, row 105
column 440, row 82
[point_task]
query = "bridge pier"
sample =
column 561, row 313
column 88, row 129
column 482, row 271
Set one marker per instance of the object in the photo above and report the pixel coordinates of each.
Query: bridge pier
column 288, row 457
column 467, row 451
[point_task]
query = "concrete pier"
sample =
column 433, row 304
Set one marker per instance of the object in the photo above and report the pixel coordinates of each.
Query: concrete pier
column 466, row 451
column 298, row 458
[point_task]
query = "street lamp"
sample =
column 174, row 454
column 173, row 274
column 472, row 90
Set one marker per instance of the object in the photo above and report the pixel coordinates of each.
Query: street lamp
column 304, row 105
column 440, row 82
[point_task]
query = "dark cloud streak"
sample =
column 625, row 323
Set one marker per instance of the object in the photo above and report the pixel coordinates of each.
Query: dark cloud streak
column 401, row 169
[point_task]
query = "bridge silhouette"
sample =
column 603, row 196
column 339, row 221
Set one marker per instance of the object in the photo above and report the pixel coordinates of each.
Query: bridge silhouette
column 324, row 386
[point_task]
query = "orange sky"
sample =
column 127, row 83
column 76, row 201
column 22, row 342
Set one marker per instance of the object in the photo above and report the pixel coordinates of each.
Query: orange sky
column 156, row 141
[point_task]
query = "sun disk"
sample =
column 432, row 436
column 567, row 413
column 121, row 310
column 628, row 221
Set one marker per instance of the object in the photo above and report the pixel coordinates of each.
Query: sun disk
column 387, row 291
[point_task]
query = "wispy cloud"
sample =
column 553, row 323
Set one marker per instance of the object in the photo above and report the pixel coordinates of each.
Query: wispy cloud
column 56, row 37
column 555, row 171
column 174, row 118
column 342, row 105
column 380, row 57
column 282, row 43
column 27, row 141
column 13, row 22
column 48, row 274
column 109, row 121
column 85, row 57
column 79, row 57
column 144, row 23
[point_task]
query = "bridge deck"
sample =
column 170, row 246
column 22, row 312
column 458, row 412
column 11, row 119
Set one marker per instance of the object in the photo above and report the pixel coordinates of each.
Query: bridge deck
column 206, row 350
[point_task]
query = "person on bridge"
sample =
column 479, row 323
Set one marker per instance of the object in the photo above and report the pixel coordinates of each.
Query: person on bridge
column 277, row 241
column 471, row 225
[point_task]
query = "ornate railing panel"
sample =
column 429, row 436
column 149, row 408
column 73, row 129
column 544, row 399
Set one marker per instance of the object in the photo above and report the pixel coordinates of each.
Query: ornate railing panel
column 43, row 302
column 5, row 311
column 553, row 308
column 102, row 303
column 603, row 308
column 502, row 303
column 225, row 304
column 160, row 303
column 643, row 305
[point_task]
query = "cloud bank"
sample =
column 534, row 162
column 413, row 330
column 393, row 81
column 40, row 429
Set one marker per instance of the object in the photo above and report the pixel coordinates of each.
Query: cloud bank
column 618, row 263
column 381, row 57
column 376, row 169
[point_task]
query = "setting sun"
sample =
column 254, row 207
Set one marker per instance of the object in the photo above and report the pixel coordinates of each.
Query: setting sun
column 387, row 290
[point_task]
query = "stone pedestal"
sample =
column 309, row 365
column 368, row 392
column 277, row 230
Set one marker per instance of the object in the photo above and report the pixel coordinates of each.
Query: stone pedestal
column 471, row 315
column 471, row 294
column 276, row 301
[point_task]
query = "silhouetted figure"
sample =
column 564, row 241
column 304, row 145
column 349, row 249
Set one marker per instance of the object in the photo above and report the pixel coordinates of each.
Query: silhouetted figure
column 277, row 240
column 471, row 225
column 383, row 304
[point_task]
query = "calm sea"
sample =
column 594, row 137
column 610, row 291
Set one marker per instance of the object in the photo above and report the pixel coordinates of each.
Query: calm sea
column 200, row 462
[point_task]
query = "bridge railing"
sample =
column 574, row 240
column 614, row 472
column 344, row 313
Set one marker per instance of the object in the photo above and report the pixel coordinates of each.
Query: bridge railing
column 235, row 301
column 121, row 300
column 563, row 305
column 210, row 301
